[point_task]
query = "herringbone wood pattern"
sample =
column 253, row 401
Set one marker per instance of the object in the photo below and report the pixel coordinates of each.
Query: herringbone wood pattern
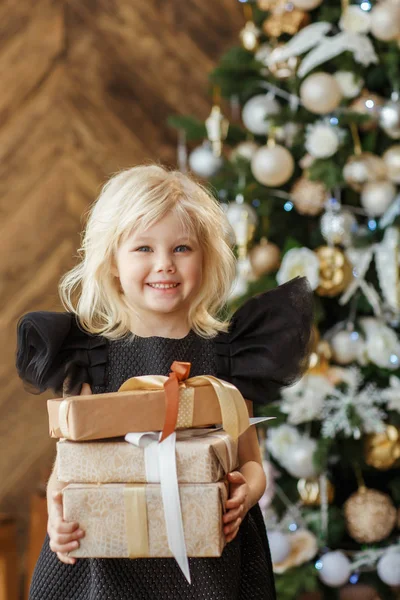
column 87, row 86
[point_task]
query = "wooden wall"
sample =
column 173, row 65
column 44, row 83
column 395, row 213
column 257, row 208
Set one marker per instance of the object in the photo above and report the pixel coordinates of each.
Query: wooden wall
column 86, row 88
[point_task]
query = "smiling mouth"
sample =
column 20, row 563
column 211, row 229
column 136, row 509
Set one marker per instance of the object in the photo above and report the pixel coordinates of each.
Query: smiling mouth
column 163, row 286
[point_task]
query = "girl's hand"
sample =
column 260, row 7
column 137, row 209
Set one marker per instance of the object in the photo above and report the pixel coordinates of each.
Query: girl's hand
column 63, row 536
column 237, row 505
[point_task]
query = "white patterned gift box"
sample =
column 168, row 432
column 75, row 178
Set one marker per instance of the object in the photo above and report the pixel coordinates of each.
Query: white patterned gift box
column 204, row 457
column 127, row 521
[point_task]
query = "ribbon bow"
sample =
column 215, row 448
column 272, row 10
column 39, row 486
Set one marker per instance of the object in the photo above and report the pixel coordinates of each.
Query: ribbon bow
column 179, row 372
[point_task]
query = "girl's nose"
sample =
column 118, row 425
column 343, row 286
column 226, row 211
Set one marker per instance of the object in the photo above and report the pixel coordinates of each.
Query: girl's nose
column 165, row 263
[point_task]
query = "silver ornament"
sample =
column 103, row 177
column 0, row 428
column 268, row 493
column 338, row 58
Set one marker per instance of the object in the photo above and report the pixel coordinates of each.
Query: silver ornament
column 389, row 118
column 338, row 225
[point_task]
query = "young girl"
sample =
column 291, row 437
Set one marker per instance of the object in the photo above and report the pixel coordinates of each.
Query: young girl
column 156, row 268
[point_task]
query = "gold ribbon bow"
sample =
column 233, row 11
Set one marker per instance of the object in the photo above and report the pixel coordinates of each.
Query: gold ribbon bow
column 180, row 405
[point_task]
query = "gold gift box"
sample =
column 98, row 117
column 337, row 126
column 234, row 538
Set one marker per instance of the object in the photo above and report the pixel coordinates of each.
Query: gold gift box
column 97, row 416
column 127, row 521
column 199, row 459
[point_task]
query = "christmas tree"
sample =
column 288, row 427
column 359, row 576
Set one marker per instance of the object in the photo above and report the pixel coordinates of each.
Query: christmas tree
column 301, row 149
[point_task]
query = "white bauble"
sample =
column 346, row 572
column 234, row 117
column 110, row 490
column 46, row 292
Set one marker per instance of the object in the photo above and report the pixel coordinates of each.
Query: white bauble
column 320, row 93
column 272, row 166
column 338, row 226
column 389, row 118
column 349, row 84
column 388, row 568
column 203, row 162
column 385, row 21
column 299, row 462
column 392, row 161
column 377, row 196
column 346, row 346
column 279, row 545
column 245, row 150
column 256, row 110
column 306, row 4
column 335, row 570
column 355, row 20
column 322, row 140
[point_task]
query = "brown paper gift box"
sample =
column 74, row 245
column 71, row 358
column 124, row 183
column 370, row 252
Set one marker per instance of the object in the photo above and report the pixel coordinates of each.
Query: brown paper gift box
column 101, row 512
column 199, row 459
column 97, row 416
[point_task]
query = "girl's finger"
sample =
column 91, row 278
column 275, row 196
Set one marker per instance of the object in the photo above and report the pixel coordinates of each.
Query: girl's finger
column 63, row 548
column 85, row 390
column 68, row 560
column 231, row 515
column 57, row 506
column 234, row 502
column 229, row 529
column 64, row 526
column 62, row 539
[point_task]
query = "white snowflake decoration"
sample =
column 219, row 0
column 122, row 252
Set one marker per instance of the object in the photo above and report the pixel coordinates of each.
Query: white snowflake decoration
column 342, row 408
column 392, row 394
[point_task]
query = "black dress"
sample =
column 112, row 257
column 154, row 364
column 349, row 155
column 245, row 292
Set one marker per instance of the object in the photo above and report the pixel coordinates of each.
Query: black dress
column 51, row 346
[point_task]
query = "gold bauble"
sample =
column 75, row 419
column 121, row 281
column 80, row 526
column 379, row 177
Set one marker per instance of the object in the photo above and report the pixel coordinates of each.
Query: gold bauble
column 335, row 271
column 382, row 450
column 391, row 159
column 310, row 491
column 362, row 168
column 282, row 69
column 284, row 21
column 370, row 516
column 368, row 104
column 319, row 362
column 309, row 197
column 264, row 258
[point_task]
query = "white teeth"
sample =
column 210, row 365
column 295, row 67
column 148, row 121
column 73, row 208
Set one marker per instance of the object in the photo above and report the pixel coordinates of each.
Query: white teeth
column 163, row 286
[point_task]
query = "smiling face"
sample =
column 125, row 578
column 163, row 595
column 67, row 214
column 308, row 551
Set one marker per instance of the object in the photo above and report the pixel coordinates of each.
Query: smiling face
column 160, row 271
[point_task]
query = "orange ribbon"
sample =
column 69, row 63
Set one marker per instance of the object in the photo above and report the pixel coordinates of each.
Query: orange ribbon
column 179, row 372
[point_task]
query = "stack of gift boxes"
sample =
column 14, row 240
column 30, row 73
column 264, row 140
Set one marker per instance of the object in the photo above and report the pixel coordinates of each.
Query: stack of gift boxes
column 107, row 489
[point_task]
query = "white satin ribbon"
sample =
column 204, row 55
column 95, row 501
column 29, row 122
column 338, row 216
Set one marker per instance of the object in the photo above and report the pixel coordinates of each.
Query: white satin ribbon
column 160, row 465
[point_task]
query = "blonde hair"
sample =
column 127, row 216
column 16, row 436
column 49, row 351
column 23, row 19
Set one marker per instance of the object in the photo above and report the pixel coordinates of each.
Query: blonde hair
column 138, row 198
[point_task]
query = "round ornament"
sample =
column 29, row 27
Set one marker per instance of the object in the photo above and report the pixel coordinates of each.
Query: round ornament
column 249, row 36
column 264, row 258
column 243, row 220
column 320, row 93
column 389, row 118
column 385, row 21
column 370, row 516
column 350, row 85
column 244, row 150
column 256, row 110
column 346, row 346
column 363, row 168
column 335, row 569
column 322, row 140
column 310, row 492
column 308, row 197
column 382, row 450
column 377, row 196
column 300, row 462
column 335, row 271
column 272, row 165
column 306, row 4
column 391, row 159
column 203, row 162
column 337, row 226
column 368, row 104
column 279, row 545
column 388, row 568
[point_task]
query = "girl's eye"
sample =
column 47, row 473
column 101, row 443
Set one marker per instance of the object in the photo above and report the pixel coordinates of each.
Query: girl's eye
column 182, row 248
column 143, row 249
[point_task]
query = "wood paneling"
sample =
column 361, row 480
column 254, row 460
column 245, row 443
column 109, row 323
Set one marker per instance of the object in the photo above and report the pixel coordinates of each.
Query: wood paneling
column 87, row 86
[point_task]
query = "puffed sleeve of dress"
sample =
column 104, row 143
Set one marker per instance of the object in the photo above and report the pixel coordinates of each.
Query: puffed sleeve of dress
column 53, row 349
column 268, row 342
